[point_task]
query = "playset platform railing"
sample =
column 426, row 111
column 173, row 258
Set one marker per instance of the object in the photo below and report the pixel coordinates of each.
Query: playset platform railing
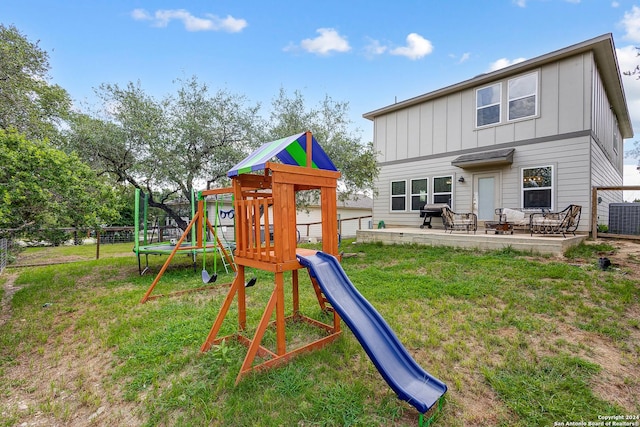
column 253, row 237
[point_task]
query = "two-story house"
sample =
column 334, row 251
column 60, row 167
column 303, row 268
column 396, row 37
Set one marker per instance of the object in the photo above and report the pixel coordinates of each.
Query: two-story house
column 537, row 134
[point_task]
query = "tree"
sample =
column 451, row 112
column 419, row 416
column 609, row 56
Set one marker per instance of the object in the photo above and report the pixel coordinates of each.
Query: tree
column 28, row 102
column 331, row 127
column 166, row 148
column 42, row 187
column 634, row 153
column 190, row 140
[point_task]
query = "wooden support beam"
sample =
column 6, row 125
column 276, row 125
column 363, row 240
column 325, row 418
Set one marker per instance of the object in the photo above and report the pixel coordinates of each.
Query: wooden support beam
column 259, row 334
column 216, row 191
column 168, row 261
column 309, row 145
column 217, row 324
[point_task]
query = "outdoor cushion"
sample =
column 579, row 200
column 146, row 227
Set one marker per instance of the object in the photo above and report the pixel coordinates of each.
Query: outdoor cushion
column 514, row 216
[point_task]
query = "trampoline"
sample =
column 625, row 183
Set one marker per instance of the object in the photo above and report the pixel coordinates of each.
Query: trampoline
column 189, row 248
column 162, row 248
column 166, row 249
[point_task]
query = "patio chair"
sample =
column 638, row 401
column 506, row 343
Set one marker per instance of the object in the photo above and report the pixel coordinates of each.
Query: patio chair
column 459, row 221
column 565, row 221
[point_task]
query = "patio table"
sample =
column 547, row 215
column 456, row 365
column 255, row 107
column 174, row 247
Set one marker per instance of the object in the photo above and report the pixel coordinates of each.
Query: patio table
column 498, row 227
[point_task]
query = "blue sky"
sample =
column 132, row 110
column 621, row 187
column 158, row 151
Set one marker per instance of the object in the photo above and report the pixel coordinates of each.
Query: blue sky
column 368, row 53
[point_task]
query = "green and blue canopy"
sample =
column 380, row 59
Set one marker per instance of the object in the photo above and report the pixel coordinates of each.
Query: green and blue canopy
column 291, row 150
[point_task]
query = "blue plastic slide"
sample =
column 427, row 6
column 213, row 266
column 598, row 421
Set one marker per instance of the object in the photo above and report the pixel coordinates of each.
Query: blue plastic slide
column 405, row 377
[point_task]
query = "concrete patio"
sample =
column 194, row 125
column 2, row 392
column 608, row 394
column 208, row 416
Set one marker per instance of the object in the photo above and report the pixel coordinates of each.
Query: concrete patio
column 538, row 243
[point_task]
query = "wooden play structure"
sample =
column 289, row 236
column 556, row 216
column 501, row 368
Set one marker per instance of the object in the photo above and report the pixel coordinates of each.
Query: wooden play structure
column 264, row 194
column 200, row 245
column 265, row 207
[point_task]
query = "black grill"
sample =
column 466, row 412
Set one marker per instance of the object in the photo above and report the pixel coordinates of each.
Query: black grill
column 431, row 210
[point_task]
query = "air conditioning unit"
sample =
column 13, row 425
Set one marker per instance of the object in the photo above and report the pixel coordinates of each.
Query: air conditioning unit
column 624, row 218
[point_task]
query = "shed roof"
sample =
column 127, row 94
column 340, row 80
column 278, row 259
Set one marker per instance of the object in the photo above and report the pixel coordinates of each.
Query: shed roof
column 485, row 158
column 291, row 150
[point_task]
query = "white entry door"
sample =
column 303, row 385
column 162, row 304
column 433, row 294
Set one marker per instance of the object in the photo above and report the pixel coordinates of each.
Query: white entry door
column 486, row 195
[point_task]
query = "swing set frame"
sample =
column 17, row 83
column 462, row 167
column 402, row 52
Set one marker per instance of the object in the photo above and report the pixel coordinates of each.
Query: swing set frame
column 197, row 223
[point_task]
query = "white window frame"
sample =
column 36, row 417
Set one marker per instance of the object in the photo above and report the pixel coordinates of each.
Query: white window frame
column 424, row 198
column 551, row 187
column 441, row 193
column 536, row 77
column 499, row 104
column 397, row 196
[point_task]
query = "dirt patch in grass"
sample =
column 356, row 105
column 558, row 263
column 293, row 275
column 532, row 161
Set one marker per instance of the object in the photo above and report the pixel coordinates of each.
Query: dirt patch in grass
column 65, row 381
column 66, row 386
column 7, row 296
column 46, row 256
column 624, row 258
column 51, row 256
column 619, row 380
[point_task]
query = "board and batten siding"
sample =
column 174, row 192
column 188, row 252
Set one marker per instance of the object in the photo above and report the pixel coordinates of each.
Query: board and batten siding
column 605, row 128
column 447, row 124
column 607, row 156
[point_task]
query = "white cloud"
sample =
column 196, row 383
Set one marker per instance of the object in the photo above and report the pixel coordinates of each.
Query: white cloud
column 162, row 18
column 417, row 47
column 504, row 62
column 631, row 24
column 140, row 15
column 463, row 58
column 615, row 4
column 229, row 23
column 374, row 48
column 328, row 41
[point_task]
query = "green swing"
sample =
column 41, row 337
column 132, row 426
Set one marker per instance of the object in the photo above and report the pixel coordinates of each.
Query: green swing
column 206, row 278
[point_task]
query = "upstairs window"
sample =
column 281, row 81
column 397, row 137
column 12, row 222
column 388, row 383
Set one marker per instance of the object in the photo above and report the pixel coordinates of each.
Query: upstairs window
column 419, row 193
column 523, row 96
column 537, row 187
column 398, row 196
column 488, row 105
column 442, row 189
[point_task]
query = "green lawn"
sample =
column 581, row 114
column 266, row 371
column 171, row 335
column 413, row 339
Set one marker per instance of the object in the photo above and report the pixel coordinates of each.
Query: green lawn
column 519, row 339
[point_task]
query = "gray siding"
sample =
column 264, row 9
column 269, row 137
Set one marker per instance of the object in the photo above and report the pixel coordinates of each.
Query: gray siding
column 603, row 173
column 605, row 127
column 569, row 158
column 607, row 155
column 447, row 124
